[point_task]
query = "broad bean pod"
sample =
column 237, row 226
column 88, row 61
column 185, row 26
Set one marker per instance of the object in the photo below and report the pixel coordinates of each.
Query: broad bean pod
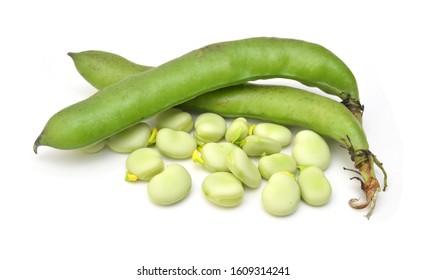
column 102, row 68
column 140, row 96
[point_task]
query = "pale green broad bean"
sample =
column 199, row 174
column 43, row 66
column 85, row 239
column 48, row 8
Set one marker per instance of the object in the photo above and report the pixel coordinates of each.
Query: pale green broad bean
column 143, row 164
column 130, row 139
column 209, row 127
column 311, row 149
column 315, row 188
column 237, row 130
column 279, row 133
column 213, row 156
column 170, row 186
column 175, row 144
column 223, row 189
column 281, row 195
column 243, row 168
column 270, row 164
column 175, row 119
column 94, row 148
column 255, row 145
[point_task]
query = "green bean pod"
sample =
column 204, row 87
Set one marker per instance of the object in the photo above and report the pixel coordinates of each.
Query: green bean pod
column 101, row 69
column 215, row 66
column 295, row 107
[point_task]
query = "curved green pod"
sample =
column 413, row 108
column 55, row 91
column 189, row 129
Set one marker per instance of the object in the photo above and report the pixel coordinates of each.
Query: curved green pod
column 215, row 66
column 101, row 69
column 295, row 107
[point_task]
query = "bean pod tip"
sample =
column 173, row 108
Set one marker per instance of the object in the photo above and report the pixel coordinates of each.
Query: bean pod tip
column 36, row 144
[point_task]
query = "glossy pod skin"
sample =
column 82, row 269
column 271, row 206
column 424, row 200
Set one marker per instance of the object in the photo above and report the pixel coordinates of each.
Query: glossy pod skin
column 295, row 107
column 101, row 69
column 133, row 99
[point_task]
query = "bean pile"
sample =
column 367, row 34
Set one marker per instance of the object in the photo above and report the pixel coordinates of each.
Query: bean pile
column 227, row 152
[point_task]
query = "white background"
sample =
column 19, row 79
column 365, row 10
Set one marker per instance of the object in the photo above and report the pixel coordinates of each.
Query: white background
column 64, row 215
